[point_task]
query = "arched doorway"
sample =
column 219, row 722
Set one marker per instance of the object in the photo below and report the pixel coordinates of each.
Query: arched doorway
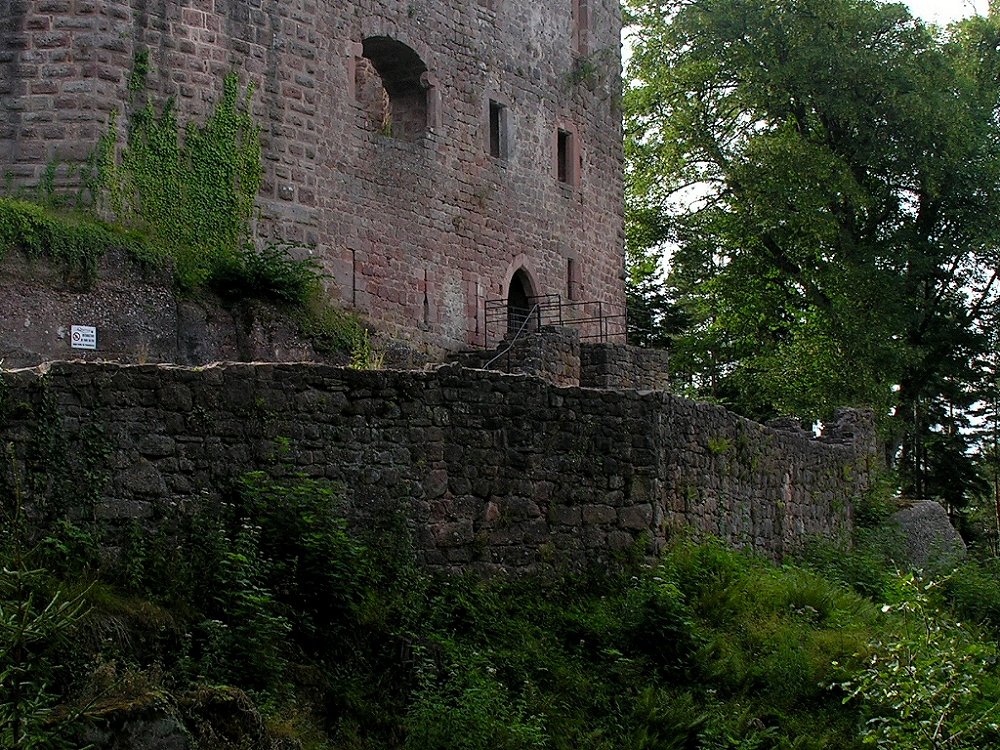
column 519, row 301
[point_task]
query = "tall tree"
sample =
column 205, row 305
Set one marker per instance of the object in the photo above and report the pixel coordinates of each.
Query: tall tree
column 828, row 174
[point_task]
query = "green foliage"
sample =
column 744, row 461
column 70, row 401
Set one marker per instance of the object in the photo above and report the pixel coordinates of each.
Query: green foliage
column 343, row 641
column 74, row 241
column 773, row 630
column 814, row 170
column 865, row 567
column 34, row 622
column 465, row 707
column 932, row 684
column 331, row 329
column 364, row 356
column 658, row 625
column 719, row 445
column 36, row 619
column 249, row 626
column 317, row 566
column 972, row 590
column 194, row 196
column 269, row 274
column 878, row 502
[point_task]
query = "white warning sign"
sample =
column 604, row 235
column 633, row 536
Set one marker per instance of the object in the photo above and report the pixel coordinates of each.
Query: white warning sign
column 83, row 337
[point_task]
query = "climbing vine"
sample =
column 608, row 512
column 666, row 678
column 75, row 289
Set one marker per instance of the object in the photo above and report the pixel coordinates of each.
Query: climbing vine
column 183, row 194
column 194, row 195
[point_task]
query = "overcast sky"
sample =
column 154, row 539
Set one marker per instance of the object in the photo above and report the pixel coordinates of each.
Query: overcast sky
column 945, row 11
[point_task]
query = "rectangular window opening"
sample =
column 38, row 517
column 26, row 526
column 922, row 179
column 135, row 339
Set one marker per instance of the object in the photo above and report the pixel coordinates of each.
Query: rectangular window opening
column 570, row 279
column 564, row 156
column 498, row 134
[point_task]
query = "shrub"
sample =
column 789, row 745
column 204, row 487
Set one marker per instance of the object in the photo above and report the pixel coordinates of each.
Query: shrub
column 973, row 592
column 319, row 569
column 467, row 708
column 659, row 626
column 931, row 684
column 269, row 274
column 864, row 568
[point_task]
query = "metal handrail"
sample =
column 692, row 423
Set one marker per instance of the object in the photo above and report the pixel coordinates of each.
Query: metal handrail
column 551, row 309
column 512, row 341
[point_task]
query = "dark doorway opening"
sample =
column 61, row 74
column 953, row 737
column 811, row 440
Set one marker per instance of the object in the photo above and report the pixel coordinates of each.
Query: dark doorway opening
column 518, row 302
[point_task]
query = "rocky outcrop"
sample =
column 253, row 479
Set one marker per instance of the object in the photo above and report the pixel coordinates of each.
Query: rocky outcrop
column 219, row 718
column 927, row 535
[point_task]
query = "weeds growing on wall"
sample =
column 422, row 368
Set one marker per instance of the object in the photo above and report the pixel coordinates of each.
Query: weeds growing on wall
column 192, row 193
column 76, row 241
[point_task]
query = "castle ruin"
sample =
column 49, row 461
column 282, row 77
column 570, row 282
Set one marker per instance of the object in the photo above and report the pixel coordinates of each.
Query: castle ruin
column 437, row 154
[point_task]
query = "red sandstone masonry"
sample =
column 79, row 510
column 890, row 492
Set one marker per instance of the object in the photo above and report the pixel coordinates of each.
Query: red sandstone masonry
column 395, row 222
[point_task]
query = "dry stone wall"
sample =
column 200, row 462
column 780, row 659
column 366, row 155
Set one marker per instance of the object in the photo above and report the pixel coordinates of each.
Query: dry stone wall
column 551, row 353
column 558, row 356
column 604, row 365
column 419, row 211
column 490, row 471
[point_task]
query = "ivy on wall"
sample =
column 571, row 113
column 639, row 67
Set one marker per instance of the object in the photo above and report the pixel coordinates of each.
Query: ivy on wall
column 183, row 195
column 193, row 196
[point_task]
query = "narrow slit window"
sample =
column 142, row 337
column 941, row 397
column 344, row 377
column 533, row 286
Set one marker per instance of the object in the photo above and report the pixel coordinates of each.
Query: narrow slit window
column 498, row 130
column 570, row 279
column 564, row 156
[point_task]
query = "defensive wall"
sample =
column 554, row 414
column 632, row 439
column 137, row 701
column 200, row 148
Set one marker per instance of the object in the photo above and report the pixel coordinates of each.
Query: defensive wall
column 489, row 470
column 437, row 153
column 559, row 356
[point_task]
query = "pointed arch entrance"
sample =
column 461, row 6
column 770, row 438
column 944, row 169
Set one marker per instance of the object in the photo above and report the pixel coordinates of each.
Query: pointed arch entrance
column 519, row 300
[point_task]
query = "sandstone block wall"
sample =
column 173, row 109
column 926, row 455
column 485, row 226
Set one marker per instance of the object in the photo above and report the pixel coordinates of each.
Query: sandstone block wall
column 419, row 214
column 551, row 353
column 489, row 470
column 620, row 366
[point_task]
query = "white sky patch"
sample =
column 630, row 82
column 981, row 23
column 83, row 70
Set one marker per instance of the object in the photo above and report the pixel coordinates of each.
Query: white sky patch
column 943, row 12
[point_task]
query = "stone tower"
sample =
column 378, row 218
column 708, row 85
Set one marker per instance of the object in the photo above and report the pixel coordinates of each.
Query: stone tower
column 437, row 153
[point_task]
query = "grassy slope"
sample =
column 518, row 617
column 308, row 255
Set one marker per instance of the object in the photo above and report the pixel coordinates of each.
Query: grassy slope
column 343, row 643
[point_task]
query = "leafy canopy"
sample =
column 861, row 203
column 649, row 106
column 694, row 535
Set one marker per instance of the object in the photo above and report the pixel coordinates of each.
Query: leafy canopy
column 827, row 173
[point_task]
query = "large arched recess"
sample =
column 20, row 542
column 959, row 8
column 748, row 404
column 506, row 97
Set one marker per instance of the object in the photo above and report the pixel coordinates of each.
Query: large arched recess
column 392, row 84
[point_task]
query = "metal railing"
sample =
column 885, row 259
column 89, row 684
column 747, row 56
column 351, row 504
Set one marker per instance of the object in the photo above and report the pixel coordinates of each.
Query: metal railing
column 513, row 340
column 594, row 319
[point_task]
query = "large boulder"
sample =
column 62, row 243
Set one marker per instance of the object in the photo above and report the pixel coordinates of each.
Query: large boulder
column 219, row 718
column 927, row 535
